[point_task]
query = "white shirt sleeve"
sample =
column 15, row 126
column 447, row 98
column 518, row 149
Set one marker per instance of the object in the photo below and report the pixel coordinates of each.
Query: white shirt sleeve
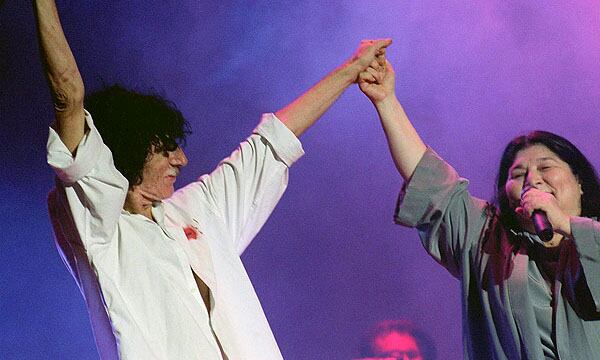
column 93, row 188
column 245, row 187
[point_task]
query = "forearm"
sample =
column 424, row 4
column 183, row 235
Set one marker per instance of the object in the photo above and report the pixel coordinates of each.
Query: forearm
column 303, row 112
column 64, row 80
column 406, row 146
column 247, row 185
column 435, row 188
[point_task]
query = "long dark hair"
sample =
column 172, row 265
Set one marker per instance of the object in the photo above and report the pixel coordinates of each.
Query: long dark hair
column 567, row 152
column 132, row 124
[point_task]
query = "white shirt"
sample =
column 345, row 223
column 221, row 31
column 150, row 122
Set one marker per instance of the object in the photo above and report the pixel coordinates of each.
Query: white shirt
column 136, row 274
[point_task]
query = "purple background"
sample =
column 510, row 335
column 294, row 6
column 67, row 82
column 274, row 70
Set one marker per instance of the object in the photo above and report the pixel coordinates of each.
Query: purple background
column 329, row 262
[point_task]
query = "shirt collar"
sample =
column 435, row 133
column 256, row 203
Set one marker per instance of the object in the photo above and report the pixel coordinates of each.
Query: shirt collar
column 158, row 212
column 529, row 238
column 533, row 239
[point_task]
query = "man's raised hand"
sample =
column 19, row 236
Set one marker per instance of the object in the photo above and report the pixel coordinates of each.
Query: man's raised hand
column 368, row 52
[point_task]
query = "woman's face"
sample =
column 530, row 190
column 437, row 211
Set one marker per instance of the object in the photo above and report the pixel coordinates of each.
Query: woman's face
column 539, row 167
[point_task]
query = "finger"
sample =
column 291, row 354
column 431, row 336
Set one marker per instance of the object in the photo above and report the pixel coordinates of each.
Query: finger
column 380, row 58
column 375, row 64
column 538, row 198
column 519, row 210
column 383, row 43
column 367, row 77
column 529, row 195
column 378, row 75
column 534, row 202
column 382, row 70
column 377, row 43
column 527, row 209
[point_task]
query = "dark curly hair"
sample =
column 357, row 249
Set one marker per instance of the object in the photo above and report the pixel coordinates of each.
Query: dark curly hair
column 132, row 124
column 567, row 152
column 385, row 327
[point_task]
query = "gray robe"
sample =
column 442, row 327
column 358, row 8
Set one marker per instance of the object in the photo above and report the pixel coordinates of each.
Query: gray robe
column 462, row 233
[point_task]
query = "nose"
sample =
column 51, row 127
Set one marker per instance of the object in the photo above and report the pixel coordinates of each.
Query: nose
column 532, row 178
column 178, row 157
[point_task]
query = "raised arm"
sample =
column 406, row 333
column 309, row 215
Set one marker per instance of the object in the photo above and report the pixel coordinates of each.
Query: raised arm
column 305, row 110
column 64, row 80
column 406, row 146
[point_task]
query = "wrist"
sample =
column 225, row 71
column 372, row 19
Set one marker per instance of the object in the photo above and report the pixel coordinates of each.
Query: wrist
column 565, row 227
column 348, row 72
column 386, row 104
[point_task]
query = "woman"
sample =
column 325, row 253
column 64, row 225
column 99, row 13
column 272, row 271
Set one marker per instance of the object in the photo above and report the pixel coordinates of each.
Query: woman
column 523, row 298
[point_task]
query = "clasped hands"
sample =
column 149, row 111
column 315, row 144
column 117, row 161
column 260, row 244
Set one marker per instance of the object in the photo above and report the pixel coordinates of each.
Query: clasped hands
column 375, row 74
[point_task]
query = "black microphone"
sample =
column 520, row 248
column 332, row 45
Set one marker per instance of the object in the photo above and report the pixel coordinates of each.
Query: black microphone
column 542, row 226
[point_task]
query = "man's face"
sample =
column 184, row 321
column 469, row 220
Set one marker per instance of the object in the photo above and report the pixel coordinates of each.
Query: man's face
column 396, row 345
column 160, row 172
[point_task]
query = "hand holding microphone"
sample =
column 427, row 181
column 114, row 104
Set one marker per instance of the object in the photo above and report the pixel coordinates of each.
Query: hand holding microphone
column 542, row 226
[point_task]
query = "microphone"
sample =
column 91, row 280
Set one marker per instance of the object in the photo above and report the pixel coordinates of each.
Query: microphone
column 542, row 226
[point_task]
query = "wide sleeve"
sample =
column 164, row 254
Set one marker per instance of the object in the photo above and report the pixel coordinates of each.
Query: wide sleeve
column 586, row 236
column 245, row 187
column 449, row 220
column 89, row 185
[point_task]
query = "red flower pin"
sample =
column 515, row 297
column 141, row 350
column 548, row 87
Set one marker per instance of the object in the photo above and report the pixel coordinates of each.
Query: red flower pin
column 190, row 232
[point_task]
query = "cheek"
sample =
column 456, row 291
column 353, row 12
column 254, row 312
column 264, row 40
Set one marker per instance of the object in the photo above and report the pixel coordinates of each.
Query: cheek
column 568, row 193
column 513, row 192
column 573, row 197
column 566, row 187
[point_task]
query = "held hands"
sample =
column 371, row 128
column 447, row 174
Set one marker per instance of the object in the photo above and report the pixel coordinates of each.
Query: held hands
column 376, row 80
column 534, row 199
column 370, row 68
column 367, row 52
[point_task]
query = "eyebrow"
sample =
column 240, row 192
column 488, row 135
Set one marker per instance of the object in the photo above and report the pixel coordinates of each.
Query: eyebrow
column 538, row 160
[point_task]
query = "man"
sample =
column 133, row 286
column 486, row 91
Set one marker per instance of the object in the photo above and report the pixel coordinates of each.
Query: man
column 160, row 270
column 397, row 339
